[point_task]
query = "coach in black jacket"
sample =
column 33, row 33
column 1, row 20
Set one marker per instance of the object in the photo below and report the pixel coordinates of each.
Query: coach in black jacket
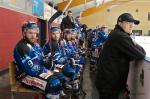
column 118, row 50
column 68, row 21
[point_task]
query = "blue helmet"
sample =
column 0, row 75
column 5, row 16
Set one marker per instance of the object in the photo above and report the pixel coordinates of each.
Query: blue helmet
column 69, row 71
column 54, row 85
column 29, row 25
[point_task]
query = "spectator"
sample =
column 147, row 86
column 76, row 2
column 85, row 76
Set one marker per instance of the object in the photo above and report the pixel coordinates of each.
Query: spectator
column 113, row 65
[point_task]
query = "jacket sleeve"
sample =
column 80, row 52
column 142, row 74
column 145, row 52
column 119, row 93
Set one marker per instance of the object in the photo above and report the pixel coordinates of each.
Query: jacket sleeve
column 62, row 24
column 73, row 25
column 132, row 50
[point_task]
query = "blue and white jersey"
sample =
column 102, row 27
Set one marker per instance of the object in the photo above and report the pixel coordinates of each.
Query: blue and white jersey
column 101, row 37
column 29, row 58
column 58, row 53
column 79, row 28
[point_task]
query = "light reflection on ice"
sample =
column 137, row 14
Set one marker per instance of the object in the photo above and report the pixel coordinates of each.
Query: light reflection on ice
column 144, row 41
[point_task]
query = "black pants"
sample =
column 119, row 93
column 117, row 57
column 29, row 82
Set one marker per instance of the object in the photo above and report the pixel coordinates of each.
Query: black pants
column 108, row 96
column 113, row 96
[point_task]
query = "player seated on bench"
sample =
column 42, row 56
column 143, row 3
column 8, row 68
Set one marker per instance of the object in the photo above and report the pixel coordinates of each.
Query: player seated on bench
column 29, row 60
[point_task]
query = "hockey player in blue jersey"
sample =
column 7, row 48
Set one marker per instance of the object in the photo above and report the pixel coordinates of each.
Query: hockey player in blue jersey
column 73, row 51
column 59, row 56
column 71, row 42
column 30, row 65
column 54, row 46
column 101, row 36
column 81, row 28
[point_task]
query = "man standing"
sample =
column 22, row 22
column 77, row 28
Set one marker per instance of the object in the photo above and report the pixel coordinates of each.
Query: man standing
column 113, row 66
column 67, row 22
column 81, row 28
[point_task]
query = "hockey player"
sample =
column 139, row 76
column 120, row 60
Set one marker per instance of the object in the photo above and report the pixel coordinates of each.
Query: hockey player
column 81, row 28
column 101, row 36
column 53, row 46
column 31, row 71
column 57, row 49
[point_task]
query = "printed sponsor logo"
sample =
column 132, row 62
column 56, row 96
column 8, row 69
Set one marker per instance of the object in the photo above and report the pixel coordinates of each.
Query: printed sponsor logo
column 31, row 81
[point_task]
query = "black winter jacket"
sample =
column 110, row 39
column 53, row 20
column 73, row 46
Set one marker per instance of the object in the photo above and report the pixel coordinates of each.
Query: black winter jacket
column 67, row 23
column 113, row 65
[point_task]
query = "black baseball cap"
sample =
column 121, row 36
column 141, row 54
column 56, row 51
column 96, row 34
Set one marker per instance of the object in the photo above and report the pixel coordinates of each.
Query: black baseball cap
column 127, row 17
